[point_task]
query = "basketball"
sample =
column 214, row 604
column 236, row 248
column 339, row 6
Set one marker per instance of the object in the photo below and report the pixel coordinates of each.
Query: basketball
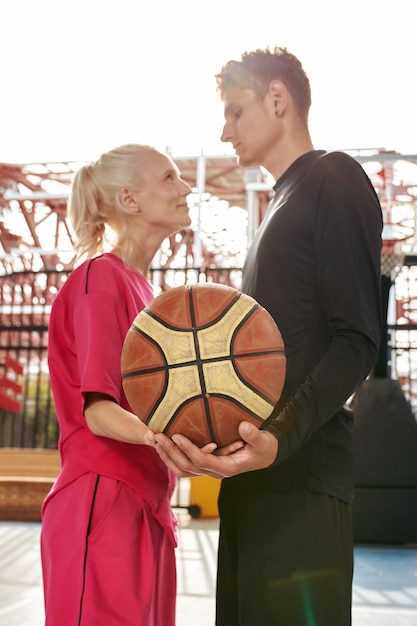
column 199, row 359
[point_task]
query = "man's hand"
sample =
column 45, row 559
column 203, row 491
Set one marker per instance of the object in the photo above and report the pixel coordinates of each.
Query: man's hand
column 257, row 450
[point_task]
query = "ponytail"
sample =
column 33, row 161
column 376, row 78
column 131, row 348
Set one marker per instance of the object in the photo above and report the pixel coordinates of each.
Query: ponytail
column 84, row 212
column 94, row 206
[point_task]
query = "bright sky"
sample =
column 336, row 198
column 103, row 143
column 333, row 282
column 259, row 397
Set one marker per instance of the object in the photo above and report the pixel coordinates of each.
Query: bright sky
column 83, row 76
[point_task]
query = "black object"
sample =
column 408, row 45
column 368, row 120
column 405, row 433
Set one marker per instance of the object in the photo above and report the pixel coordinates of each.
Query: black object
column 385, row 446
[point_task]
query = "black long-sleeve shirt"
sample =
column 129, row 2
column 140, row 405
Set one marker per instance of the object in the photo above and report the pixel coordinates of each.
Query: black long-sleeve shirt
column 315, row 266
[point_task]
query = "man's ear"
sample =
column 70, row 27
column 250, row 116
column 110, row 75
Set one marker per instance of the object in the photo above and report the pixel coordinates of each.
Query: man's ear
column 279, row 95
column 128, row 200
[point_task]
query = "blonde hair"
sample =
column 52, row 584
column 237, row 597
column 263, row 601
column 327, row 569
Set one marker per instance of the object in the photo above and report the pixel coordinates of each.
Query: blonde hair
column 94, row 205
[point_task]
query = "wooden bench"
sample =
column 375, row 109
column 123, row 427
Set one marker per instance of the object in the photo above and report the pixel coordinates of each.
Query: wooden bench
column 26, row 476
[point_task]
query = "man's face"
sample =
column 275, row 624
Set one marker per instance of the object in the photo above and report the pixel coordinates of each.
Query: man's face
column 251, row 126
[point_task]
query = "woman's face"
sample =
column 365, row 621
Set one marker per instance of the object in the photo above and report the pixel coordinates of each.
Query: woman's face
column 162, row 195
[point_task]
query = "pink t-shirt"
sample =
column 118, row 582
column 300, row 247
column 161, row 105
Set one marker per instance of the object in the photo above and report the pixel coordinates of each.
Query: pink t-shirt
column 89, row 320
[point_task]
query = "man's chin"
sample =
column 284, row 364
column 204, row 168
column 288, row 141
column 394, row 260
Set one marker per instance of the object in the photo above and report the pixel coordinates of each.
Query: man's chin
column 246, row 161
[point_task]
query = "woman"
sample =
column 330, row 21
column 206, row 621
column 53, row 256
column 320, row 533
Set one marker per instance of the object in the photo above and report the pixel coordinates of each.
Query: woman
column 108, row 532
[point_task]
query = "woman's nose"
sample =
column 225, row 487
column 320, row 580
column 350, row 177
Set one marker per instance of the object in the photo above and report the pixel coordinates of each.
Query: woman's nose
column 186, row 188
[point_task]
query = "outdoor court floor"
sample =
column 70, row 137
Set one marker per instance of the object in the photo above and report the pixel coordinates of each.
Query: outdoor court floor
column 384, row 593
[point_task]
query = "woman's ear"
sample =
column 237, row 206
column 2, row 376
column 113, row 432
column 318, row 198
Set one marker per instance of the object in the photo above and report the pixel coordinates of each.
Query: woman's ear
column 128, row 200
column 279, row 95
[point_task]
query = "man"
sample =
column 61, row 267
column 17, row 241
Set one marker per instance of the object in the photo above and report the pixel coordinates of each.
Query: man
column 286, row 545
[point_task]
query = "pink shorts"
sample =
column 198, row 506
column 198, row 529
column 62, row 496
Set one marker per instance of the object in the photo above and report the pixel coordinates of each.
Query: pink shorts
column 106, row 561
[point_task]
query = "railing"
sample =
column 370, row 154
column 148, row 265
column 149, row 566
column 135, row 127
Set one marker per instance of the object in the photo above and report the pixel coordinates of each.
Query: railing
column 402, row 330
column 25, row 304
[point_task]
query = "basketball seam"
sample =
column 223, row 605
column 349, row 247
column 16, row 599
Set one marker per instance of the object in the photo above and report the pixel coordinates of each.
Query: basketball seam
column 233, row 401
column 208, row 324
column 234, row 357
column 203, row 361
column 199, row 365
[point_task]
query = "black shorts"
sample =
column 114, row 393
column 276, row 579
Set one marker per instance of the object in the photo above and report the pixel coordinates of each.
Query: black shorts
column 285, row 559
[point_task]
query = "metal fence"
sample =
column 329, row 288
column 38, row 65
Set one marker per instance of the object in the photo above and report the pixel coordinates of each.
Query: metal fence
column 25, row 304
column 402, row 330
column 27, row 413
column 28, row 419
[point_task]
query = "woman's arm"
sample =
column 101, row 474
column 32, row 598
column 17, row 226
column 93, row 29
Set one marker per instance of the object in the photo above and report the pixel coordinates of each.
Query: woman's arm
column 106, row 418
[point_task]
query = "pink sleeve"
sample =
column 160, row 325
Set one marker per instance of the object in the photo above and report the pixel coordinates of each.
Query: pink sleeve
column 100, row 325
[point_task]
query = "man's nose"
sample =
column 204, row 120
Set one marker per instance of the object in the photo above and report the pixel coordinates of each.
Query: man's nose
column 225, row 136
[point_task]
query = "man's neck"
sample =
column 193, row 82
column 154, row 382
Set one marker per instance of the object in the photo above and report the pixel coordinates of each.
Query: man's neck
column 281, row 159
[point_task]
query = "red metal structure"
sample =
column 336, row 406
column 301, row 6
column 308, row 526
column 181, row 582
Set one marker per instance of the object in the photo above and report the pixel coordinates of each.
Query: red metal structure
column 35, row 232
column 36, row 249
